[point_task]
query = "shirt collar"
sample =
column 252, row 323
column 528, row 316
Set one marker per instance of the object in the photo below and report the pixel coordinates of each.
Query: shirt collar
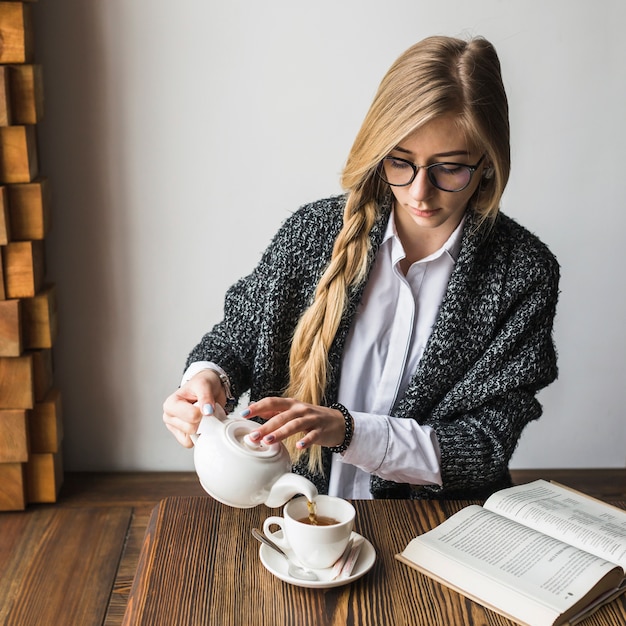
column 452, row 247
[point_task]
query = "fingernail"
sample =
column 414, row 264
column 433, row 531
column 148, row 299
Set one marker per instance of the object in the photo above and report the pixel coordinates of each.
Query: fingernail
column 207, row 409
column 301, row 444
column 269, row 438
column 255, row 435
column 245, row 413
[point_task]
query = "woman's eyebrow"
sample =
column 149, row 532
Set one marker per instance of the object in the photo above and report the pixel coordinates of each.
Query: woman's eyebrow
column 440, row 155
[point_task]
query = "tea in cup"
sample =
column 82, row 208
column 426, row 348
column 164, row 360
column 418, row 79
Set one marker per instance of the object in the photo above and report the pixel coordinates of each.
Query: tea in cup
column 317, row 538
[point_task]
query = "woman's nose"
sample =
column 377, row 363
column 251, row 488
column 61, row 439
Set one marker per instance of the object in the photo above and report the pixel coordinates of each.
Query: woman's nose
column 421, row 187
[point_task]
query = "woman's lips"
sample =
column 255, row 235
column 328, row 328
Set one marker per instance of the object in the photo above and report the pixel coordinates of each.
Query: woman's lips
column 423, row 212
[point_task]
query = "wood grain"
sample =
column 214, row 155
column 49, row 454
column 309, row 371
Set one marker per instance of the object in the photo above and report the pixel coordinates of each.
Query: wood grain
column 40, row 319
column 16, row 33
column 26, row 93
column 603, row 483
column 29, row 210
column 199, row 565
column 57, row 566
column 43, row 374
column 44, row 476
column 2, row 289
column 12, row 492
column 16, row 382
column 45, row 426
column 5, row 97
column 140, row 492
column 5, row 235
column 18, row 154
column 10, row 327
column 13, row 436
column 24, row 268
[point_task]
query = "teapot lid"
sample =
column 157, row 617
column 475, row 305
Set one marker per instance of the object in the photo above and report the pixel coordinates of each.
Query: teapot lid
column 238, row 435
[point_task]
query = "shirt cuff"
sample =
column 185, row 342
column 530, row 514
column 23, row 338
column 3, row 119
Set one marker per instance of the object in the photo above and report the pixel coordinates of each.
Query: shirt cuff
column 198, row 366
column 395, row 449
column 370, row 441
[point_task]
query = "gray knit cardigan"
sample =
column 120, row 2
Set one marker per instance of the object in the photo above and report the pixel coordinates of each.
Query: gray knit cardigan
column 489, row 353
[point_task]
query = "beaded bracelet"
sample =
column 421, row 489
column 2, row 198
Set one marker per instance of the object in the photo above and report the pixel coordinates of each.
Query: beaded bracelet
column 349, row 424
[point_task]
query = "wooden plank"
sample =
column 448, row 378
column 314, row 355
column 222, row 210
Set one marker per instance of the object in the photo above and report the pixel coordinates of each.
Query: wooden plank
column 16, row 33
column 16, row 382
column 45, row 425
column 44, row 477
column 12, row 490
column 43, row 376
column 4, row 217
column 11, row 327
column 18, row 154
column 221, row 571
column 13, row 436
column 603, row 483
column 6, row 119
column 26, row 93
column 24, row 268
column 29, row 210
column 59, row 564
column 39, row 319
column 2, row 289
column 143, row 491
column 199, row 564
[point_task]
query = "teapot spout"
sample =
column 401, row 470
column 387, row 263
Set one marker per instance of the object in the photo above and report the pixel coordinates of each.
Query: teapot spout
column 287, row 486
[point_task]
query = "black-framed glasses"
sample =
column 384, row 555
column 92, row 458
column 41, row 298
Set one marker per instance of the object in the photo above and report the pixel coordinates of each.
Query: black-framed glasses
column 445, row 176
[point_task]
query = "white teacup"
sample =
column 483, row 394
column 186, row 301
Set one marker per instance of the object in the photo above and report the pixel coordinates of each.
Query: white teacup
column 317, row 547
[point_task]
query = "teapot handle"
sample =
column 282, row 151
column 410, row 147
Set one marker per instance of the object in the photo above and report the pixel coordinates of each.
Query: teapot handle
column 218, row 414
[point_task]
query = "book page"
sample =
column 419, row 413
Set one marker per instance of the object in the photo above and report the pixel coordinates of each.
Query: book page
column 567, row 515
column 498, row 560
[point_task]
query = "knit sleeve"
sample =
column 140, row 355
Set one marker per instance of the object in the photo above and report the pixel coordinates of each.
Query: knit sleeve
column 480, row 420
column 490, row 352
column 261, row 310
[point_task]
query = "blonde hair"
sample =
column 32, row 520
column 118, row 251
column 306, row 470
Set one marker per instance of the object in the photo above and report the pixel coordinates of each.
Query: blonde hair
column 437, row 76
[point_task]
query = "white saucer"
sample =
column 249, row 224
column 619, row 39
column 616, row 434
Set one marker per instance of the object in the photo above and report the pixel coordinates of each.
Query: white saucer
column 277, row 565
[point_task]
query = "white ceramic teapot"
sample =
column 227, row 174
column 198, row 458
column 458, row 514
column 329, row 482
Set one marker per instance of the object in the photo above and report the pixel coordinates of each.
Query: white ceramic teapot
column 239, row 472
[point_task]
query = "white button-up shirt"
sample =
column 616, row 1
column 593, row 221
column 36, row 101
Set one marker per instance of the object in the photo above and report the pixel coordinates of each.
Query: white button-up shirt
column 387, row 339
column 386, row 342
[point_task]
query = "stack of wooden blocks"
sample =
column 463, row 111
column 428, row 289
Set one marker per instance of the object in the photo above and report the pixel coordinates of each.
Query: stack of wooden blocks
column 30, row 406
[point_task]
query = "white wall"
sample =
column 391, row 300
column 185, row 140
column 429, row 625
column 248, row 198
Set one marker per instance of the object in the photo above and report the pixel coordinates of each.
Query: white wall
column 152, row 106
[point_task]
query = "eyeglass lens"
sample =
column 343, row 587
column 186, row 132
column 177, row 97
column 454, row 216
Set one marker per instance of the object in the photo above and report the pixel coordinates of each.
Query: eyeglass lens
column 445, row 176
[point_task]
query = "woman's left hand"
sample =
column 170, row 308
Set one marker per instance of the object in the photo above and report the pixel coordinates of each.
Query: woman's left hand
column 321, row 425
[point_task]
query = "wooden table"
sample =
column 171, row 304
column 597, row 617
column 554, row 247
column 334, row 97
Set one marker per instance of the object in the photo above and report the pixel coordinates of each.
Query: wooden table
column 199, row 565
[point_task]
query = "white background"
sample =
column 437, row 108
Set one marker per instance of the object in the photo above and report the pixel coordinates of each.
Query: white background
column 179, row 135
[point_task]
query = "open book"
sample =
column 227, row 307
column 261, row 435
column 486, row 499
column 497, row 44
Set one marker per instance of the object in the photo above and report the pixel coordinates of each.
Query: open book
column 539, row 554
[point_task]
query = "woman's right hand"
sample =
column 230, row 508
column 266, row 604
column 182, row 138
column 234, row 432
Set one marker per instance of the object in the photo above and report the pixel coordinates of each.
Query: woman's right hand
column 183, row 410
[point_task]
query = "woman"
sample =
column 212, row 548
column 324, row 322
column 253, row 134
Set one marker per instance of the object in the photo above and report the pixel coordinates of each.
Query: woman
column 395, row 337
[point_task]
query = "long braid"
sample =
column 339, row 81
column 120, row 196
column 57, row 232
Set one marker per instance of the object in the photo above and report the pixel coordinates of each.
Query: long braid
column 316, row 330
column 438, row 76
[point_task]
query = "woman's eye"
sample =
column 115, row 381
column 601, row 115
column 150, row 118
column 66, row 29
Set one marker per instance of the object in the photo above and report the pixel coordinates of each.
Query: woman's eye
column 450, row 169
column 398, row 164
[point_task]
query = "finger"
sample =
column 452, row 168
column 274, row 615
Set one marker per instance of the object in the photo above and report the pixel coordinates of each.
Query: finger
column 207, row 389
column 318, row 426
column 182, row 411
column 267, row 407
column 178, row 404
column 198, row 391
column 309, row 439
column 182, row 438
column 283, row 426
column 183, row 424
